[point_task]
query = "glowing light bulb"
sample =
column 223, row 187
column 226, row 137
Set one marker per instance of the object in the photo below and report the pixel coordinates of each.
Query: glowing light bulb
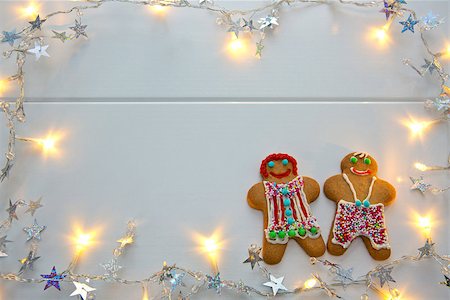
column 159, row 9
column 395, row 294
column 83, row 240
column 236, row 45
column 381, row 34
column 31, row 10
column 417, row 128
column 310, row 283
column 48, row 144
column 3, row 86
column 144, row 292
column 211, row 246
column 420, row 166
column 425, row 224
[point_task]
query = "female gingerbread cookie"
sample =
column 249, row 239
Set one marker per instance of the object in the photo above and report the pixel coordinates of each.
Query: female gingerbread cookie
column 360, row 198
column 284, row 198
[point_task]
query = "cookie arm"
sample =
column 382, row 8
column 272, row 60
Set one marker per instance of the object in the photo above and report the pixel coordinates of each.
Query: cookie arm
column 385, row 192
column 256, row 197
column 311, row 189
column 332, row 188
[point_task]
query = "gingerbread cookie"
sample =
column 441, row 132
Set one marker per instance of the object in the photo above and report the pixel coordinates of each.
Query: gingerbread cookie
column 283, row 196
column 360, row 199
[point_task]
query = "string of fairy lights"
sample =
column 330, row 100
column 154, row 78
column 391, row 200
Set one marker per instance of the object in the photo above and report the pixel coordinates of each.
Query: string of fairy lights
column 256, row 24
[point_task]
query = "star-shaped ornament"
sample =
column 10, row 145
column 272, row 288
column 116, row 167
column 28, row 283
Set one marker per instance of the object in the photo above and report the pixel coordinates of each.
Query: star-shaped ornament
column 36, row 24
column 5, row 171
column 82, row 290
column 214, row 282
column 446, row 282
column 39, row 50
column 10, row 37
column 387, row 9
column 176, row 280
column 235, row 27
column 62, row 36
column 409, row 24
column 268, row 21
column 253, row 255
column 53, row 279
column 384, row 275
column 432, row 65
column 111, row 268
column 431, row 21
column 419, row 184
column 34, row 231
column 248, row 25
column 344, row 276
column 3, row 242
column 276, row 284
column 427, row 249
column 79, row 29
column 33, row 206
column 27, row 262
column 12, row 209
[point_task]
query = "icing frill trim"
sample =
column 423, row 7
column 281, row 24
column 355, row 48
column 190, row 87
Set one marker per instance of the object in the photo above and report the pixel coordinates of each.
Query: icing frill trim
column 281, row 234
column 351, row 222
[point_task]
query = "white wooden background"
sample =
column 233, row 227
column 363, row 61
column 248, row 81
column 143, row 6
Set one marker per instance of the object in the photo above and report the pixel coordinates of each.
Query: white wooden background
column 185, row 167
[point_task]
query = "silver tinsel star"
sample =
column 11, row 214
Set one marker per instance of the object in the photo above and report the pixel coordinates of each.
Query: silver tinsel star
column 34, row 231
column 5, row 171
column 12, row 209
column 3, row 242
column 344, row 276
column 10, row 37
column 214, row 283
column 432, row 65
column 253, row 255
column 111, row 268
column 248, row 25
column 419, row 184
column 276, row 284
column 384, row 275
column 431, row 21
column 33, row 206
column 440, row 104
column 79, row 29
column 39, row 50
column 36, row 24
column 82, row 290
column 235, row 27
column 427, row 249
column 62, row 36
column 176, row 280
column 269, row 21
column 27, row 262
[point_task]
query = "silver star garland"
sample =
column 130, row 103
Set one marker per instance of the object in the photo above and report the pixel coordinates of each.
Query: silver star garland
column 34, row 231
column 427, row 249
column 253, row 255
column 384, row 275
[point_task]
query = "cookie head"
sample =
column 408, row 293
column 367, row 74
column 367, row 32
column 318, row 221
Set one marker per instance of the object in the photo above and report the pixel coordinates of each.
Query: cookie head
column 278, row 167
column 359, row 164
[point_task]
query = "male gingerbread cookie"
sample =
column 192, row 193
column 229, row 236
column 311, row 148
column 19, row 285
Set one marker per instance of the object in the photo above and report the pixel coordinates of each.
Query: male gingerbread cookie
column 283, row 196
column 360, row 199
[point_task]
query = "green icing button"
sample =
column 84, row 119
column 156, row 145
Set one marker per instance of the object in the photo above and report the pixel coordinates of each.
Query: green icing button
column 272, row 235
column 313, row 230
column 302, row 231
column 281, row 234
column 291, row 233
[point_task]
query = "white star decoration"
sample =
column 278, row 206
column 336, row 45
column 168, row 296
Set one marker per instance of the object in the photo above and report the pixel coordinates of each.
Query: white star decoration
column 276, row 284
column 39, row 50
column 268, row 21
column 82, row 290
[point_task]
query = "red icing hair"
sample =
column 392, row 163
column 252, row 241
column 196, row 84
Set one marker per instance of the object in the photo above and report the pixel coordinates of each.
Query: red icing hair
column 277, row 156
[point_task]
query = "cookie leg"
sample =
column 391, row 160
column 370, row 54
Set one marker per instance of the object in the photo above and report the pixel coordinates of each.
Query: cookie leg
column 272, row 253
column 381, row 254
column 313, row 247
column 334, row 249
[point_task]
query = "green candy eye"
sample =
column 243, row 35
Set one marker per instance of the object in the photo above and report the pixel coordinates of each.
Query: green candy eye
column 353, row 159
column 367, row 161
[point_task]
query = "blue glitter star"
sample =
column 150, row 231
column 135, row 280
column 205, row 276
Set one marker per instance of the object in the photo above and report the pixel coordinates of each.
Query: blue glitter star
column 387, row 10
column 409, row 24
column 10, row 36
column 214, row 283
column 53, row 279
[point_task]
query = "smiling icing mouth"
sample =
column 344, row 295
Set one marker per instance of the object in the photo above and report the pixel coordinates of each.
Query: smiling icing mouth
column 358, row 172
column 281, row 175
